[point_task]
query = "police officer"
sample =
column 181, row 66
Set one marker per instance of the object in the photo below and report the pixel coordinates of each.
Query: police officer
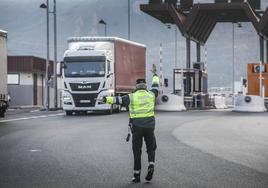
column 141, row 111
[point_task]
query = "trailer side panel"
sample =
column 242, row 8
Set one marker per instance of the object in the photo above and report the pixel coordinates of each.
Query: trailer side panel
column 129, row 65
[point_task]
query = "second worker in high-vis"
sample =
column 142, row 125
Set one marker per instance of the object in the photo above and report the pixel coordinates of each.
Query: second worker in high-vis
column 141, row 105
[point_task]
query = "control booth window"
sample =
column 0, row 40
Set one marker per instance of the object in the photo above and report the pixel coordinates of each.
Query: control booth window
column 13, row 79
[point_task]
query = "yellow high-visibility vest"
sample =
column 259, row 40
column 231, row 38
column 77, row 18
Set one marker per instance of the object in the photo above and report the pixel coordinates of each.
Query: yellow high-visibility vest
column 141, row 104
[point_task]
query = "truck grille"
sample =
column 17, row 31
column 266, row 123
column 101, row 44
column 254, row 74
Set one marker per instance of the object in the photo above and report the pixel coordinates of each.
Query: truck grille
column 85, row 100
column 85, row 86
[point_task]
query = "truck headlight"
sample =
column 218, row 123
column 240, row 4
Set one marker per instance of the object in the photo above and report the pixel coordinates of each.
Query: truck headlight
column 66, row 98
column 110, row 91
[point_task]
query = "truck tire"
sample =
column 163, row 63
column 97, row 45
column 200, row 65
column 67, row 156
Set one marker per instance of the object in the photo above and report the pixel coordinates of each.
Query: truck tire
column 69, row 112
column 81, row 112
column 108, row 112
column 84, row 112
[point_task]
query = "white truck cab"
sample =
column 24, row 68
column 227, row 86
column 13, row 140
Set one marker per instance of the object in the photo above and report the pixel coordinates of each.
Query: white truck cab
column 88, row 75
column 91, row 70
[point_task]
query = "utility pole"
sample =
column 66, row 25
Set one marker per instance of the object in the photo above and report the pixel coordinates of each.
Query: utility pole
column 47, row 60
column 55, row 58
column 46, row 6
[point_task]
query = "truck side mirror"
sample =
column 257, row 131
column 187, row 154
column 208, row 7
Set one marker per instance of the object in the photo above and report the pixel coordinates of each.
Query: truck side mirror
column 166, row 82
column 109, row 66
column 109, row 75
column 59, row 68
column 63, row 65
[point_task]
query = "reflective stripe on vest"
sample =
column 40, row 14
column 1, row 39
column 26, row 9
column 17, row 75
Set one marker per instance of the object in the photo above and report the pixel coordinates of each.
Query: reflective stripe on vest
column 141, row 104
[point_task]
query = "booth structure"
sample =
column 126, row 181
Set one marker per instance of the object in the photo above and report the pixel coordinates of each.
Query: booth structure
column 254, row 101
column 253, row 80
column 198, row 81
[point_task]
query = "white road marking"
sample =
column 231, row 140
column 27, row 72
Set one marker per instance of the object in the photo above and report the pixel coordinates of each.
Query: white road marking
column 34, row 111
column 11, row 109
column 35, row 150
column 31, row 117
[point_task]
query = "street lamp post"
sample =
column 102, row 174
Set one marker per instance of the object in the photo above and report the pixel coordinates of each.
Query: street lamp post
column 46, row 6
column 105, row 26
column 176, row 44
column 233, row 51
column 47, row 59
column 176, row 56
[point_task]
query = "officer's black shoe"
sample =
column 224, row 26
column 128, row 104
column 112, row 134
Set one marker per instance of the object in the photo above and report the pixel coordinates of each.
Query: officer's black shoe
column 150, row 173
column 136, row 178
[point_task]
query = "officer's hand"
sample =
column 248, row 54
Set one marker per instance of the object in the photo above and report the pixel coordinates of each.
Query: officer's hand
column 104, row 99
column 131, row 127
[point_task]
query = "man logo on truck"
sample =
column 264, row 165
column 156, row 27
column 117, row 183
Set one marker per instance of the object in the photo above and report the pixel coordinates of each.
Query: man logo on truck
column 84, row 86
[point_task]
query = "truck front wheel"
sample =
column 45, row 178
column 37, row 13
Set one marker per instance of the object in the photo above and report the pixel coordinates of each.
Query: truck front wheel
column 69, row 112
column 109, row 112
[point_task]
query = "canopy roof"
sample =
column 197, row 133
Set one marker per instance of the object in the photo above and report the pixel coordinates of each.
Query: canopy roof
column 200, row 21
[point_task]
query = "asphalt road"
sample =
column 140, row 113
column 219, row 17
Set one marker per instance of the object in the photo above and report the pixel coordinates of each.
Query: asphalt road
column 52, row 150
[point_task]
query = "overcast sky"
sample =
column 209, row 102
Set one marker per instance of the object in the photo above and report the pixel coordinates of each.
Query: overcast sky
column 25, row 23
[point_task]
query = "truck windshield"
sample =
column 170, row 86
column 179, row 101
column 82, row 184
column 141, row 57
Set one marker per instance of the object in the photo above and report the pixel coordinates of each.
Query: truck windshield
column 84, row 69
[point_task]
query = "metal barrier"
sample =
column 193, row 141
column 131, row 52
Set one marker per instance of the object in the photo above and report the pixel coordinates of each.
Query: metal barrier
column 249, row 103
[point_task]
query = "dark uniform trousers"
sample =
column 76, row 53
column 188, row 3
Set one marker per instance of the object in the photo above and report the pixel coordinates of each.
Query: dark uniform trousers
column 137, row 138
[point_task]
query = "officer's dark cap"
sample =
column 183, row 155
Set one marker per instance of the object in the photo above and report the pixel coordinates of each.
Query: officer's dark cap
column 140, row 81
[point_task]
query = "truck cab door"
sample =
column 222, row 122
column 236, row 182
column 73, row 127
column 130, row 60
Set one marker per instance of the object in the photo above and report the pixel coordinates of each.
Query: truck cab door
column 110, row 75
